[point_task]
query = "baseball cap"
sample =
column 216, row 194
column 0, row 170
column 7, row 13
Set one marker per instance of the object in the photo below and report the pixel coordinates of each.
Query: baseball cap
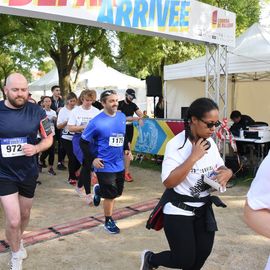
column 131, row 92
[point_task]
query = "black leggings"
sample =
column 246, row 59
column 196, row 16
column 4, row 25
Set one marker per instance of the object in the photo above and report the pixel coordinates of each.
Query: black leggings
column 190, row 244
column 49, row 152
column 84, row 178
column 73, row 164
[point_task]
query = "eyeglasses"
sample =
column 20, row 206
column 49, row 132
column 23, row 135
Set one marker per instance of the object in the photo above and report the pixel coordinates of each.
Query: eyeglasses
column 211, row 124
column 107, row 93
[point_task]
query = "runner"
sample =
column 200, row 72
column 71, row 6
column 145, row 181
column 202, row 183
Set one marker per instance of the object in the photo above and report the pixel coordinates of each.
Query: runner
column 189, row 222
column 56, row 105
column 257, row 207
column 19, row 123
column 78, row 120
column 51, row 115
column 127, row 107
column 67, row 136
column 106, row 132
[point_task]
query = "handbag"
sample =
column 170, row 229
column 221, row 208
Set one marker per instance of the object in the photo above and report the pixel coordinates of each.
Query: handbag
column 156, row 218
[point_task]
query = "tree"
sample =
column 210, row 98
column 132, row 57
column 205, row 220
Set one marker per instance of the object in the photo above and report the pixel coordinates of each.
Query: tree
column 67, row 44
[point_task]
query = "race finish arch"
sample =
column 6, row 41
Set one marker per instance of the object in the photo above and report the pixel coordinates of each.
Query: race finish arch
column 186, row 20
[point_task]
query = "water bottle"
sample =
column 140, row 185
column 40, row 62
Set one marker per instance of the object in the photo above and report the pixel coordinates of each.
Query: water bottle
column 241, row 133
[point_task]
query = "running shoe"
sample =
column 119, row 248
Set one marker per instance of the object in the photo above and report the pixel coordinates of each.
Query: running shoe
column 23, row 250
column 97, row 198
column 16, row 263
column 72, row 182
column 51, row 171
column 111, row 227
column 145, row 260
column 128, row 177
column 61, row 167
column 79, row 192
column 89, row 199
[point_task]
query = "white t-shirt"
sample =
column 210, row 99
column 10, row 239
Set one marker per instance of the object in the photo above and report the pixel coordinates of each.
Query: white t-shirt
column 81, row 117
column 193, row 185
column 258, row 196
column 63, row 116
column 51, row 114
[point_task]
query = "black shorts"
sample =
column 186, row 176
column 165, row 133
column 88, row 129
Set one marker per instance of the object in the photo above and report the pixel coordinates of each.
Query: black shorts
column 24, row 188
column 129, row 132
column 111, row 184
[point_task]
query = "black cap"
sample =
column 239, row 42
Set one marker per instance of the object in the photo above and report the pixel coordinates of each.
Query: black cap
column 131, row 92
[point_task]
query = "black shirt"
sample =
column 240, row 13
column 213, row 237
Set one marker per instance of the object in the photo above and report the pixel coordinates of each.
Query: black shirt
column 98, row 105
column 19, row 126
column 243, row 123
column 127, row 108
column 56, row 104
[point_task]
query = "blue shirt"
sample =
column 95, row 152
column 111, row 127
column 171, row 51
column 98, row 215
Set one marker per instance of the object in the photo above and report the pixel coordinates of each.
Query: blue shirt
column 19, row 125
column 106, row 134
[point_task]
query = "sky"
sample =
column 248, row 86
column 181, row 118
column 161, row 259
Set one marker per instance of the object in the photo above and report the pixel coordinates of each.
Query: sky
column 265, row 13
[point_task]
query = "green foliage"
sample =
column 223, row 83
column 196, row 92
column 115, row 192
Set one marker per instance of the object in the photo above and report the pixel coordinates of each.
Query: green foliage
column 67, row 44
column 46, row 65
column 142, row 55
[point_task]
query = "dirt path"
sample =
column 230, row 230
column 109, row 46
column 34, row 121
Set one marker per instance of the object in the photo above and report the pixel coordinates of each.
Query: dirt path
column 236, row 247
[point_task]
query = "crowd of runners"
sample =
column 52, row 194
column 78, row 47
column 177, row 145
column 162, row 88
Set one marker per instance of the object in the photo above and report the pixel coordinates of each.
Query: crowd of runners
column 96, row 138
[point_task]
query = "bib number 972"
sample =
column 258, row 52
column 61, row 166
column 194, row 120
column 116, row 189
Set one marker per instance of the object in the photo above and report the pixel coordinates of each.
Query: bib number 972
column 12, row 147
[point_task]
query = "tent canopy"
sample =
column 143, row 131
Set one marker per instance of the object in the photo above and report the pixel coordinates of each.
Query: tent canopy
column 46, row 82
column 100, row 77
column 251, row 55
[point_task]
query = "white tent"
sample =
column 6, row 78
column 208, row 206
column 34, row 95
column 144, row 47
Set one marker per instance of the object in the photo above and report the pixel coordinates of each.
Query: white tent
column 100, row 77
column 45, row 83
column 249, row 69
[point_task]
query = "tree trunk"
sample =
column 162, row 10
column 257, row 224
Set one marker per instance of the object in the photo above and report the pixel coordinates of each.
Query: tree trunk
column 64, row 61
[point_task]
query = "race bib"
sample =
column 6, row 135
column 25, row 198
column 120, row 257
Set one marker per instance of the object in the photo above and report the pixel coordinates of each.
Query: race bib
column 12, row 147
column 117, row 141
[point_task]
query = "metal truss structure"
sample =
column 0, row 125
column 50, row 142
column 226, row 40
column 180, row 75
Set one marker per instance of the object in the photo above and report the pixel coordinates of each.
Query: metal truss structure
column 216, row 80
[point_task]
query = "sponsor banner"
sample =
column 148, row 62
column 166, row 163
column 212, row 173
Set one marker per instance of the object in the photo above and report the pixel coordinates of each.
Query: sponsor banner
column 176, row 19
column 153, row 136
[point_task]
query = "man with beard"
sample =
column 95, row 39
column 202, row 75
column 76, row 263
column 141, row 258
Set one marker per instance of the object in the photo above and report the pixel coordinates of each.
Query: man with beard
column 127, row 107
column 105, row 134
column 20, row 122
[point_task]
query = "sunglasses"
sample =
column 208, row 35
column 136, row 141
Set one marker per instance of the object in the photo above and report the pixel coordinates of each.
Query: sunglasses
column 211, row 124
column 107, row 93
column 130, row 97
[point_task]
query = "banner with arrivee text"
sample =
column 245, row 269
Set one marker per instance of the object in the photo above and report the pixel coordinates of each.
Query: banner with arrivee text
column 188, row 20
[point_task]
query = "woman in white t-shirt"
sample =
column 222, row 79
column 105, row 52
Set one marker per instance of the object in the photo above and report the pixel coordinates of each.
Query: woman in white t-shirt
column 51, row 114
column 78, row 120
column 187, row 161
column 257, row 207
column 66, row 136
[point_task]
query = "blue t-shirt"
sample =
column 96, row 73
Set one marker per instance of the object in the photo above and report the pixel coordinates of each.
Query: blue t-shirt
column 18, row 126
column 106, row 134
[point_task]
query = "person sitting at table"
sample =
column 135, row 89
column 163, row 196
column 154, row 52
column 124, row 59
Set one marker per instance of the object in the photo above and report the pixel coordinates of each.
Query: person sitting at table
column 240, row 121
